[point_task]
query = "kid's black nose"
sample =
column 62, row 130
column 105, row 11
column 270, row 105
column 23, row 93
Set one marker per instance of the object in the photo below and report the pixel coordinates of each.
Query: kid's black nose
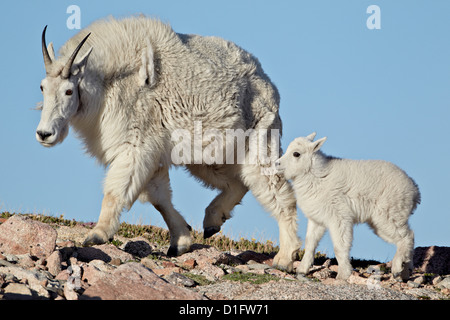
column 43, row 134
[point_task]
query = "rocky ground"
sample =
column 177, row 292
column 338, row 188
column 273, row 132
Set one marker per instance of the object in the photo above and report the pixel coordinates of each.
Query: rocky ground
column 46, row 261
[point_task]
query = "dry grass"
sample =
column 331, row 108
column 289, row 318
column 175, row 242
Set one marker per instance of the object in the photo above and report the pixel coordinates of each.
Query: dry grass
column 161, row 236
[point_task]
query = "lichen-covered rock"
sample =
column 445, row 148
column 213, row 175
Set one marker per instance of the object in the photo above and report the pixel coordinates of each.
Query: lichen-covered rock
column 21, row 235
column 133, row 281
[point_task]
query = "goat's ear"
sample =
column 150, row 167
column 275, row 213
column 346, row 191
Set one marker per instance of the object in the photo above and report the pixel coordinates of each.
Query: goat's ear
column 317, row 144
column 147, row 69
column 311, row 136
column 81, row 64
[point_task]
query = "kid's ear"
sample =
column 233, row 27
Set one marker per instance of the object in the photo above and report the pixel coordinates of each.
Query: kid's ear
column 311, row 136
column 317, row 144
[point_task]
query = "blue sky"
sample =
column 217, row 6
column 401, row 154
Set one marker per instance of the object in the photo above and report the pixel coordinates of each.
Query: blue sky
column 376, row 94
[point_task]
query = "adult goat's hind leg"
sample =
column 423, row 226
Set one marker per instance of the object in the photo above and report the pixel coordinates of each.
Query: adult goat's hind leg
column 232, row 192
column 277, row 196
column 219, row 210
column 159, row 194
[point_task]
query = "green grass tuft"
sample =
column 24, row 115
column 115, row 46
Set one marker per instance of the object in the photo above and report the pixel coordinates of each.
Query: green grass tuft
column 250, row 277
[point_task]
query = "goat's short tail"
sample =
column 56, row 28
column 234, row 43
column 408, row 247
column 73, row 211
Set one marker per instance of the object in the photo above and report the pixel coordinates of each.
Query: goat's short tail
column 417, row 197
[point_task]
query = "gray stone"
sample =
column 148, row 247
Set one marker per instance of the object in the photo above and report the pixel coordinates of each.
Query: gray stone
column 413, row 284
column 302, row 278
column 258, row 266
column 179, row 280
column 444, row 284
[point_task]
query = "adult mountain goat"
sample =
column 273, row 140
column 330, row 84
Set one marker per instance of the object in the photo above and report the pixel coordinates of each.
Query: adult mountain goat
column 126, row 86
column 336, row 193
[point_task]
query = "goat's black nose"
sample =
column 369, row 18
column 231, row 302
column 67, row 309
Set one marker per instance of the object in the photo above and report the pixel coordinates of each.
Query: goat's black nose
column 43, row 134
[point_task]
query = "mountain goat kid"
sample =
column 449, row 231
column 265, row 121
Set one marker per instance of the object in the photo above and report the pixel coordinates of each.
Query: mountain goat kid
column 336, row 193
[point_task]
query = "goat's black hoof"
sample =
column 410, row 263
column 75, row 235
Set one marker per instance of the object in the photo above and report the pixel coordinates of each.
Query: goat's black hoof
column 175, row 251
column 210, row 231
column 93, row 239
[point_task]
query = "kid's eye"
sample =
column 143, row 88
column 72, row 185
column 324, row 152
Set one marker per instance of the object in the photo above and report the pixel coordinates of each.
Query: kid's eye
column 69, row 92
column 296, row 154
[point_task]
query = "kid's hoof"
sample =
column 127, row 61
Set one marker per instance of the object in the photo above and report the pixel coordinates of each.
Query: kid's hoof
column 286, row 268
column 210, row 231
column 283, row 264
column 402, row 276
column 302, row 270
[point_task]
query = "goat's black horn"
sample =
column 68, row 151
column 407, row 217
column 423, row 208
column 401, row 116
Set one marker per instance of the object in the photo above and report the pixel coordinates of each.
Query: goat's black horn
column 47, row 60
column 66, row 71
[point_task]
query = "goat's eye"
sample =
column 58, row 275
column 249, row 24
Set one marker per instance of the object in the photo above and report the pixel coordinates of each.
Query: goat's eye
column 296, row 154
column 69, row 92
column 42, row 88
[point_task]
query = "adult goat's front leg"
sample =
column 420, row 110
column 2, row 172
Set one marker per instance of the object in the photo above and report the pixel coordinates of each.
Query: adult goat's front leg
column 108, row 222
column 127, row 176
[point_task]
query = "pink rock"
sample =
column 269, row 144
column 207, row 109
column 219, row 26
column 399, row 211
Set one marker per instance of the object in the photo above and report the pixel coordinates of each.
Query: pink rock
column 70, row 294
column 168, row 264
column 204, row 256
column 189, row 264
column 25, row 261
column 21, row 235
column 105, row 252
column 213, row 272
column 63, row 275
column 132, row 281
column 95, row 270
column 356, row 279
column 334, row 268
column 17, row 291
column 54, row 263
column 167, row 271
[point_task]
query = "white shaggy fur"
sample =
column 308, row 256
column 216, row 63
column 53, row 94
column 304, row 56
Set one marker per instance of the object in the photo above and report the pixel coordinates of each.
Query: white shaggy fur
column 134, row 83
column 336, row 193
